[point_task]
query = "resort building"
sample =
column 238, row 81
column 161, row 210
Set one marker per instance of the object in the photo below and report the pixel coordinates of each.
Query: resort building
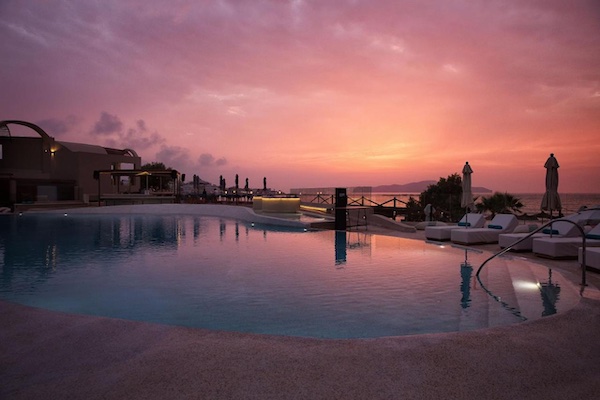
column 37, row 168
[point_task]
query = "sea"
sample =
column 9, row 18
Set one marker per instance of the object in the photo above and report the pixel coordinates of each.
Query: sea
column 571, row 202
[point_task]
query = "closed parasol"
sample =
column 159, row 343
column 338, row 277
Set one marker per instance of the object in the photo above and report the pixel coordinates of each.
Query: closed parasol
column 551, row 199
column 467, row 194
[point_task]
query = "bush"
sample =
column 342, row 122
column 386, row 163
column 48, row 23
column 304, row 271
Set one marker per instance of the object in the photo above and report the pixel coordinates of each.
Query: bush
column 414, row 211
column 444, row 196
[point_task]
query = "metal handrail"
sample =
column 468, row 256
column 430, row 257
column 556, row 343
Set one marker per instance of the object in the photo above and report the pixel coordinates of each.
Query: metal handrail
column 508, row 248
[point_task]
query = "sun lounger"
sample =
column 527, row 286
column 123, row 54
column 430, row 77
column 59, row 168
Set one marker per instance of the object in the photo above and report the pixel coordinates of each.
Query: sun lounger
column 502, row 223
column 565, row 247
column 468, row 221
column 592, row 257
column 557, row 229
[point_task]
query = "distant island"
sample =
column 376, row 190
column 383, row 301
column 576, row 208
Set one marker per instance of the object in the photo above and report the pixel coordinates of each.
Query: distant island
column 417, row 187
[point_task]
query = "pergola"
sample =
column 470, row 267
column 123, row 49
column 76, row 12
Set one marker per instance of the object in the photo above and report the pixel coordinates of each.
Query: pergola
column 169, row 174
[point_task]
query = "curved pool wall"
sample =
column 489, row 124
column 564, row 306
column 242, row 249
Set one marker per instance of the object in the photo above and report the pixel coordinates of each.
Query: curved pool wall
column 226, row 275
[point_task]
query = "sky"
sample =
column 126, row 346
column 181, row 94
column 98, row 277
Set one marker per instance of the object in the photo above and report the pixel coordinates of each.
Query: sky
column 319, row 93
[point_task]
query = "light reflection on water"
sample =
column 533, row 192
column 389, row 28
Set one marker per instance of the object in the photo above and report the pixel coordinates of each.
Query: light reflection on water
column 222, row 274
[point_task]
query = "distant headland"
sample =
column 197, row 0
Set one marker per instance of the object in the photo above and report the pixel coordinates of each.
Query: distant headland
column 417, row 187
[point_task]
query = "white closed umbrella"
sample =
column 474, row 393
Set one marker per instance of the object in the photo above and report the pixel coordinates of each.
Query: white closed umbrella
column 551, row 199
column 467, row 193
column 466, row 201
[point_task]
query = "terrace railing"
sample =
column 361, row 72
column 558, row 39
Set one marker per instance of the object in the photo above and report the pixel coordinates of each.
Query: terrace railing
column 358, row 201
column 364, row 201
column 323, row 199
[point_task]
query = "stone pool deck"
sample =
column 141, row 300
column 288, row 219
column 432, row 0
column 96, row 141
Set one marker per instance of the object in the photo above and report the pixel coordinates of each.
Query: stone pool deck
column 53, row 355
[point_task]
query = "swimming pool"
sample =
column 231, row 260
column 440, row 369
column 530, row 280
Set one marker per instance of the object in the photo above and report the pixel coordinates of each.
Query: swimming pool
column 223, row 274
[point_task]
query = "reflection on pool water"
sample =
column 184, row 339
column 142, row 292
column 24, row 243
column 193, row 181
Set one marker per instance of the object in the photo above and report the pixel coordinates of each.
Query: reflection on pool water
column 221, row 274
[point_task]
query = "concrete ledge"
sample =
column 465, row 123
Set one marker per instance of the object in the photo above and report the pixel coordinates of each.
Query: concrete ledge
column 49, row 205
column 385, row 222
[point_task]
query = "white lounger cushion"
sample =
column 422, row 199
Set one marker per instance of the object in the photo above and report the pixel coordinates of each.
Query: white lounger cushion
column 565, row 247
column 559, row 229
column 504, row 222
column 592, row 257
column 443, row 232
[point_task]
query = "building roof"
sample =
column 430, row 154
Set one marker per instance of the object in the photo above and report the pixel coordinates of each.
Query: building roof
column 83, row 148
column 95, row 149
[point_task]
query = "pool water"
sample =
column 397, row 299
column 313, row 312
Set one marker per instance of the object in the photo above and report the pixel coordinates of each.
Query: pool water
column 222, row 274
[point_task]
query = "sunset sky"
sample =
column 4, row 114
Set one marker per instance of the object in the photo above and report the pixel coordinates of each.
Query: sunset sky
column 317, row 93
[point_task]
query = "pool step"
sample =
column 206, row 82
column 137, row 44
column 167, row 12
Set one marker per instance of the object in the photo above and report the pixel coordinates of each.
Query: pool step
column 484, row 310
column 540, row 292
column 525, row 281
column 504, row 307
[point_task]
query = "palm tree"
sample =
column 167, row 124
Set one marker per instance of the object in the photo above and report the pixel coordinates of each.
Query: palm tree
column 500, row 203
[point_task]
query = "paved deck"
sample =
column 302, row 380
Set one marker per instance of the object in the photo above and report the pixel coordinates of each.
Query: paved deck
column 52, row 355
